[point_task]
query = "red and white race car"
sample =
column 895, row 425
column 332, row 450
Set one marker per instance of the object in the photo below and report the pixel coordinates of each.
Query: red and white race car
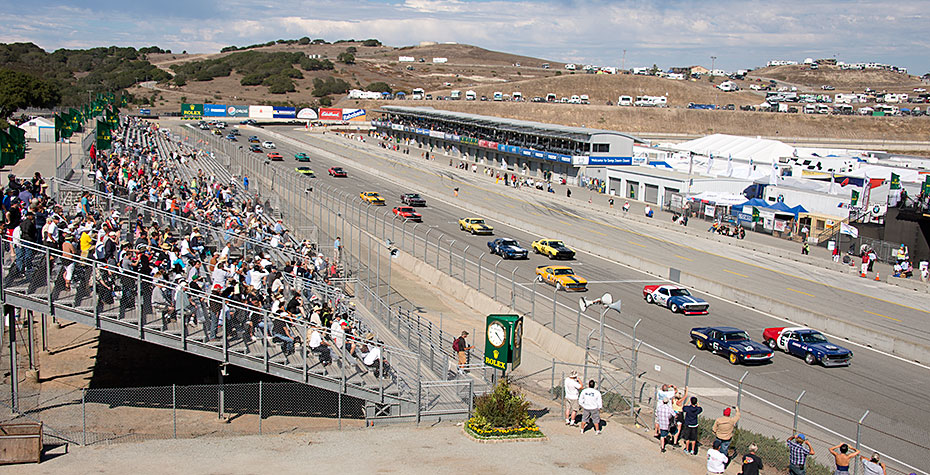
column 808, row 344
column 677, row 299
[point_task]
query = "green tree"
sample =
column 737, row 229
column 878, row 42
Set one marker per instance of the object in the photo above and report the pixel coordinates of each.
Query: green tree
column 347, row 58
column 379, row 87
column 352, row 50
column 304, row 41
column 372, row 42
column 20, row 90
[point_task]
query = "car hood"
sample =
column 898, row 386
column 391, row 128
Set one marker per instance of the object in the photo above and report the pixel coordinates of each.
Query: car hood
column 510, row 248
column 749, row 346
column 683, row 301
column 828, row 348
column 571, row 279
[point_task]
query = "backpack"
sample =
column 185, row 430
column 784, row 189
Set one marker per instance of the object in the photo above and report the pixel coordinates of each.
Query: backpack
column 456, row 344
column 100, row 250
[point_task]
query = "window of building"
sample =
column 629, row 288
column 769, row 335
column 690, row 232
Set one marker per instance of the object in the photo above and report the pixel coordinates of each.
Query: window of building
column 600, row 148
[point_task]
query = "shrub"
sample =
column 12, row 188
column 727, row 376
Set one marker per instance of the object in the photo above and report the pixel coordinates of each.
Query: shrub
column 347, row 58
column 502, row 413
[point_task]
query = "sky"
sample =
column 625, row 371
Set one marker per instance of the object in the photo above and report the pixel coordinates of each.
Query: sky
column 630, row 33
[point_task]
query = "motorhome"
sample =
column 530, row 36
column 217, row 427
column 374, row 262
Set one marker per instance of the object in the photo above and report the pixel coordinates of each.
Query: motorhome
column 625, row 101
column 824, row 109
column 585, row 99
column 651, row 101
column 844, row 109
column 570, row 67
column 551, row 97
column 517, row 96
column 417, row 94
column 455, row 95
column 471, row 95
column 574, row 100
column 498, row 96
column 810, row 109
column 728, row 86
column 641, row 71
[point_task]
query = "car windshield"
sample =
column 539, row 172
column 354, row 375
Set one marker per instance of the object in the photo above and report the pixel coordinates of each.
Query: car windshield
column 736, row 336
column 564, row 271
column 337, row 170
column 509, row 242
column 680, row 293
column 413, row 196
column 405, row 210
column 477, row 221
column 813, row 338
column 556, row 244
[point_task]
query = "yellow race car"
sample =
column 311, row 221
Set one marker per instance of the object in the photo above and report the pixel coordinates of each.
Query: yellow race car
column 562, row 277
column 553, row 248
column 372, row 197
column 475, row 226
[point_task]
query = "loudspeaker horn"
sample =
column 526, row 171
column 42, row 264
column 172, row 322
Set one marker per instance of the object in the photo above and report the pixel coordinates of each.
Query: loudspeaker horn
column 583, row 304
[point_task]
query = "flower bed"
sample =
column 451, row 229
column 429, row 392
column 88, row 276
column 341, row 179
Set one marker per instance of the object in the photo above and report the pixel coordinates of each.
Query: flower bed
column 502, row 415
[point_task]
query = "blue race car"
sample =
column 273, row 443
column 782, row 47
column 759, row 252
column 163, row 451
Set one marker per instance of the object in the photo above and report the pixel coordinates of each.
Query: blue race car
column 808, row 344
column 677, row 299
column 507, row 248
column 732, row 342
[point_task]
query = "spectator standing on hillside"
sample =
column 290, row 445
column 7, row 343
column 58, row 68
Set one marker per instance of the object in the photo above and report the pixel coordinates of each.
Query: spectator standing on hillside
column 873, row 466
column 752, row 464
column 842, row 456
column 716, row 460
column 799, row 448
column 723, row 428
column 572, row 388
column 591, row 404
column 690, row 429
column 461, row 347
column 664, row 414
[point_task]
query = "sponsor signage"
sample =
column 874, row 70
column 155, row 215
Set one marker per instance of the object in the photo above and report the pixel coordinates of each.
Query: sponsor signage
column 492, row 145
column 330, row 114
column 565, row 158
column 436, row 134
column 538, row 154
column 354, row 114
column 214, row 110
column 455, row 138
column 610, row 161
column 261, row 112
column 397, row 127
column 744, row 217
column 283, row 112
column 309, row 114
column 448, row 137
column 639, row 160
column 192, row 110
column 526, row 153
column 482, row 143
column 237, row 111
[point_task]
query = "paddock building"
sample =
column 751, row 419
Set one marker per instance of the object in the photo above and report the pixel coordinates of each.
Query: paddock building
column 529, row 148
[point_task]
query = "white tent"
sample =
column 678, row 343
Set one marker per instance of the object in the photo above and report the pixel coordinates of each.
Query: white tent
column 39, row 129
column 761, row 151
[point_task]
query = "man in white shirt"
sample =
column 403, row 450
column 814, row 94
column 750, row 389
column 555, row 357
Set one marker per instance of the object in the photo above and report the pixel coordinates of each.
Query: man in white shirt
column 319, row 347
column 716, row 461
column 591, row 404
column 572, row 388
column 338, row 334
column 373, row 361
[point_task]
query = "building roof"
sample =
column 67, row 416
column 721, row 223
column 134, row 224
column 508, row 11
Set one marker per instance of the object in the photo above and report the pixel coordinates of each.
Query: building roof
column 38, row 122
column 514, row 125
column 760, row 151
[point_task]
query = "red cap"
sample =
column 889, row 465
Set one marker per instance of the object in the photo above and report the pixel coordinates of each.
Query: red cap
column 726, row 412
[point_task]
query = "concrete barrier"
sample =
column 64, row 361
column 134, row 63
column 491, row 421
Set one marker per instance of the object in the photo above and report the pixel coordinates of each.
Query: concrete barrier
column 852, row 332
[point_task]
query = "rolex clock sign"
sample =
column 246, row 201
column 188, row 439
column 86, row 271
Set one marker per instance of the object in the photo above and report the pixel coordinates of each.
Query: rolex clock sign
column 504, row 341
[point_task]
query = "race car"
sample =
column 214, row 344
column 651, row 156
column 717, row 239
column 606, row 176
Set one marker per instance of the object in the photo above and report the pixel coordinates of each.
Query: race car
column 372, row 197
column 732, row 343
column 275, row 157
column 337, row 172
column 305, row 171
column 562, row 277
column 301, row 157
column 553, row 248
column 408, row 213
column 412, row 199
column 231, row 137
column 808, row 344
column 255, row 148
column 268, row 144
column 677, row 299
column 507, row 248
column 254, row 139
column 475, row 226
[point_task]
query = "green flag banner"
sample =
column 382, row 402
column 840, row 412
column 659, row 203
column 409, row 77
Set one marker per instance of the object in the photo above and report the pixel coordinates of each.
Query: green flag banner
column 7, row 150
column 19, row 142
column 925, row 189
column 66, row 131
column 103, row 136
column 75, row 121
column 755, row 214
column 59, row 125
column 895, row 182
column 855, row 198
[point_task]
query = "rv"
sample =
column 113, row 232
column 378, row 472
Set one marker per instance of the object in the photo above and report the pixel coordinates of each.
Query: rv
column 417, row 94
column 574, row 100
column 844, row 109
column 810, row 109
column 551, row 97
column 728, row 86
column 498, row 96
column 625, row 101
column 517, row 96
column 584, row 99
column 570, row 67
column 651, row 101
column 824, row 109
column 455, row 95
column 471, row 95
column 641, row 71
column 545, row 65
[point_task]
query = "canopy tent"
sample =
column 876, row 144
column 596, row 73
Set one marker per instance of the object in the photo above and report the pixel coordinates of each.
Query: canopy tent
column 760, row 151
column 778, row 207
column 719, row 198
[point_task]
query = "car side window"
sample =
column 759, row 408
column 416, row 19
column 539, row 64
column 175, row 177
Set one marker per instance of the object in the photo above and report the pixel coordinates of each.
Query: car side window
column 663, row 291
column 791, row 336
column 712, row 335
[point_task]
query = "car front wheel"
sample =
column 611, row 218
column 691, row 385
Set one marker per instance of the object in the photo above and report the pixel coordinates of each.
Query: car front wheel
column 674, row 307
column 810, row 359
column 734, row 359
column 771, row 344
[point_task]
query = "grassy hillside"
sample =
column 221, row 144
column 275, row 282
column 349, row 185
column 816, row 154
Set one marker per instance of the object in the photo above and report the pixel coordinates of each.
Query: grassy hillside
column 842, row 80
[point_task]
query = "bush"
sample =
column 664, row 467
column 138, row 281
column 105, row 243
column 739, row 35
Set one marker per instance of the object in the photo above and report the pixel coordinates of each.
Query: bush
column 502, row 413
column 347, row 58
column 371, row 42
column 379, row 87
column 772, row 450
column 352, row 50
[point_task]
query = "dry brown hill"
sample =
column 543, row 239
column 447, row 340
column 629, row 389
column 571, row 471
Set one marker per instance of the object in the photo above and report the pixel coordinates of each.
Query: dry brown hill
column 842, row 80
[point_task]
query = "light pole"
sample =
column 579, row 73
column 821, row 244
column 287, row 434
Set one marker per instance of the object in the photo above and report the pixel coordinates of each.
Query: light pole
column 713, row 65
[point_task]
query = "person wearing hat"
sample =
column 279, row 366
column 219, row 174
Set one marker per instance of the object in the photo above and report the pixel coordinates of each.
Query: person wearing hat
column 319, row 346
column 873, row 465
column 664, row 414
column 572, row 388
column 461, row 347
column 799, row 448
column 724, row 427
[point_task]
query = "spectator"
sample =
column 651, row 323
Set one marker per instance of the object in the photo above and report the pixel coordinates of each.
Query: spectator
column 690, row 430
column 461, row 347
column 591, row 404
column 319, row 346
column 716, row 459
column 723, row 428
column 664, row 415
column 678, row 403
column 873, row 466
column 842, row 457
column 626, row 207
column 572, row 388
column 752, row 464
column 799, row 448
column 666, row 391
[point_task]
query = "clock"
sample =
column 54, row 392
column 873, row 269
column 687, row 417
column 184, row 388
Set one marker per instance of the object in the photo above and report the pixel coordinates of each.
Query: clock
column 497, row 334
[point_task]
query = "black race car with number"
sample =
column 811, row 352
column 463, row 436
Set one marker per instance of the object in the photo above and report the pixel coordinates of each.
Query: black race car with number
column 732, row 343
column 412, row 199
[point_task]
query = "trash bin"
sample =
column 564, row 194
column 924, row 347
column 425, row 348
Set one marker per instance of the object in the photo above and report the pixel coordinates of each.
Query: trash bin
column 20, row 443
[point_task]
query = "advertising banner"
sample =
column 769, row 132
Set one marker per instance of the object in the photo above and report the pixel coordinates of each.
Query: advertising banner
column 327, row 113
column 310, row 114
column 214, row 110
column 436, row 134
column 283, row 112
column 492, row 145
column 565, row 158
column 261, row 112
column 610, row 160
column 397, row 127
column 354, row 115
column 237, row 111
column 191, row 111
column 482, row 143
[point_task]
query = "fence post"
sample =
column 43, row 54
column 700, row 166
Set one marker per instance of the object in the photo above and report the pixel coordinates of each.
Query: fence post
column 797, row 402
column 479, row 270
column 859, row 438
column 83, row 416
column 464, row 275
column 533, row 301
column 339, row 410
column 174, row 409
column 438, row 250
column 471, row 396
column 688, row 370
column 495, row 277
column 555, row 295
column 578, row 326
column 739, row 391
column 260, row 412
column 633, row 378
column 552, row 378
